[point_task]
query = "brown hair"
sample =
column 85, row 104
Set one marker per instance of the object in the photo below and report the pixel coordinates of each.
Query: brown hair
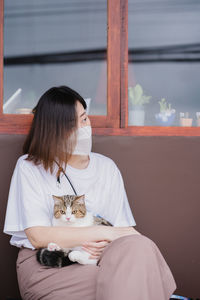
column 54, row 121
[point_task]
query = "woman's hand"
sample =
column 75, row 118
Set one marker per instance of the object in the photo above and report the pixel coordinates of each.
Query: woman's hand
column 117, row 232
column 95, row 248
column 112, row 233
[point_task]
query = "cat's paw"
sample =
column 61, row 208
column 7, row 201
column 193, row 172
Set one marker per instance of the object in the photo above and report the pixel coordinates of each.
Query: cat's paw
column 53, row 247
column 90, row 261
column 74, row 255
column 81, row 258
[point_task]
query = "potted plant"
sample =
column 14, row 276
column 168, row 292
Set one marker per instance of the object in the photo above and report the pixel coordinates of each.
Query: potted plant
column 137, row 99
column 185, row 120
column 166, row 115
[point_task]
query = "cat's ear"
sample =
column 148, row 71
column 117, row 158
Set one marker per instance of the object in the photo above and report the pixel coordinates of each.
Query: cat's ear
column 57, row 199
column 80, row 199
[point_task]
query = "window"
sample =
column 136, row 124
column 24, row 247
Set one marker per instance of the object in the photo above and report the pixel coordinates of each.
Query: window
column 50, row 45
column 108, row 51
column 164, row 63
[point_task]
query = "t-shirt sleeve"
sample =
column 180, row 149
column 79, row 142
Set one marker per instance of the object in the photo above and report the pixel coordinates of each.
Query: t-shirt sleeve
column 121, row 212
column 27, row 205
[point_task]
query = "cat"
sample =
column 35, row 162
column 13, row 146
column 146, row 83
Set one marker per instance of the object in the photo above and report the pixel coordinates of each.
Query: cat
column 70, row 211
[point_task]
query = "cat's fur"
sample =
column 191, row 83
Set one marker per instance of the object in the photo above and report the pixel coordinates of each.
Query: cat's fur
column 70, row 211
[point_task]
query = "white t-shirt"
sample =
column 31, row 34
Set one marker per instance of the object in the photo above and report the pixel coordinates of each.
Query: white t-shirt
column 30, row 201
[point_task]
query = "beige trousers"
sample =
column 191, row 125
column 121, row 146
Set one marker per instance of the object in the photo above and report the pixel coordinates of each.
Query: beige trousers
column 130, row 268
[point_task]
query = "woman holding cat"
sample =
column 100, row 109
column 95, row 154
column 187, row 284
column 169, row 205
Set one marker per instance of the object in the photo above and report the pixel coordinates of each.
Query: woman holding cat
column 130, row 265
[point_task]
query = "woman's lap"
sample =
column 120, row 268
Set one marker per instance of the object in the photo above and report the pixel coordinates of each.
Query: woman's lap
column 136, row 267
column 131, row 260
column 39, row 282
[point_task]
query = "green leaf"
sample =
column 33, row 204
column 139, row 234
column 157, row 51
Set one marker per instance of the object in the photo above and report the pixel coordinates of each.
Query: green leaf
column 137, row 97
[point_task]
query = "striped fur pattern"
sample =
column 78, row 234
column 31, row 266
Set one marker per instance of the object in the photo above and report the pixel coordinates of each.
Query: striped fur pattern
column 69, row 211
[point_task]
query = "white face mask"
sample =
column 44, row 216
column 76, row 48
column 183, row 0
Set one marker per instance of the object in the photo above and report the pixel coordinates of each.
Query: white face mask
column 84, row 141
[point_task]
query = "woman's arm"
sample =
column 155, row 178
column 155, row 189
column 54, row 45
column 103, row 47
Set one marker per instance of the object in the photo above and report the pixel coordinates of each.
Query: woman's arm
column 96, row 248
column 68, row 237
column 65, row 237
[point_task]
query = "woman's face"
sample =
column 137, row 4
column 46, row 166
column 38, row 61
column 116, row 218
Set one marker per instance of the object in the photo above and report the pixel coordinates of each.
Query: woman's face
column 82, row 118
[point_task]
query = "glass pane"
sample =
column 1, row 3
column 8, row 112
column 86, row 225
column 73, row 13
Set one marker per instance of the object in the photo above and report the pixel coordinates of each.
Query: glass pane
column 164, row 63
column 52, row 43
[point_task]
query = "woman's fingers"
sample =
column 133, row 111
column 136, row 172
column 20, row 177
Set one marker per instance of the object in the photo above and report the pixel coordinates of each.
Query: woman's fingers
column 92, row 251
column 95, row 248
column 94, row 257
column 97, row 245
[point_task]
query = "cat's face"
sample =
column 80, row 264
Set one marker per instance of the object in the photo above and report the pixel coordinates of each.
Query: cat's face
column 69, row 208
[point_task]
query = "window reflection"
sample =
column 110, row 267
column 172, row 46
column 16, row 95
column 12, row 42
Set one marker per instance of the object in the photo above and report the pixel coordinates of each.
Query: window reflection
column 164, row 58
column 48, row 43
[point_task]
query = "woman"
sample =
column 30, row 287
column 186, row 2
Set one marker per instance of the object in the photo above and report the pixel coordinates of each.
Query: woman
column 130, row 265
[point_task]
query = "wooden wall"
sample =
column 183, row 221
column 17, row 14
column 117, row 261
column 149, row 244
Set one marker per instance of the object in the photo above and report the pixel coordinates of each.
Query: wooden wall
column 161, row 176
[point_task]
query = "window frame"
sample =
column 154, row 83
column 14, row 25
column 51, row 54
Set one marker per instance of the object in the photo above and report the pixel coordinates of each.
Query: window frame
column 116, row 120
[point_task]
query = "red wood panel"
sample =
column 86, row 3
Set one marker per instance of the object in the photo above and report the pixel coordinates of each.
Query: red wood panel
column 124, row 64
column 15, row 124
column 113, row 71
column 20, row 124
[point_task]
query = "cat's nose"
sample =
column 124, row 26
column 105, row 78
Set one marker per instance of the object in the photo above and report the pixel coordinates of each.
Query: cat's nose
column 68, row 219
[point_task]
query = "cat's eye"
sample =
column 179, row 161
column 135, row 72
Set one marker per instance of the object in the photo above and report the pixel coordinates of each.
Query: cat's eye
column 62, row 212
column 74, row 212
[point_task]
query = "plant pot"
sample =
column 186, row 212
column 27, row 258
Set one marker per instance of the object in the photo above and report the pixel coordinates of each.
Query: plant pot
column 165, row 119
column 136, row 117
column 186, row 122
